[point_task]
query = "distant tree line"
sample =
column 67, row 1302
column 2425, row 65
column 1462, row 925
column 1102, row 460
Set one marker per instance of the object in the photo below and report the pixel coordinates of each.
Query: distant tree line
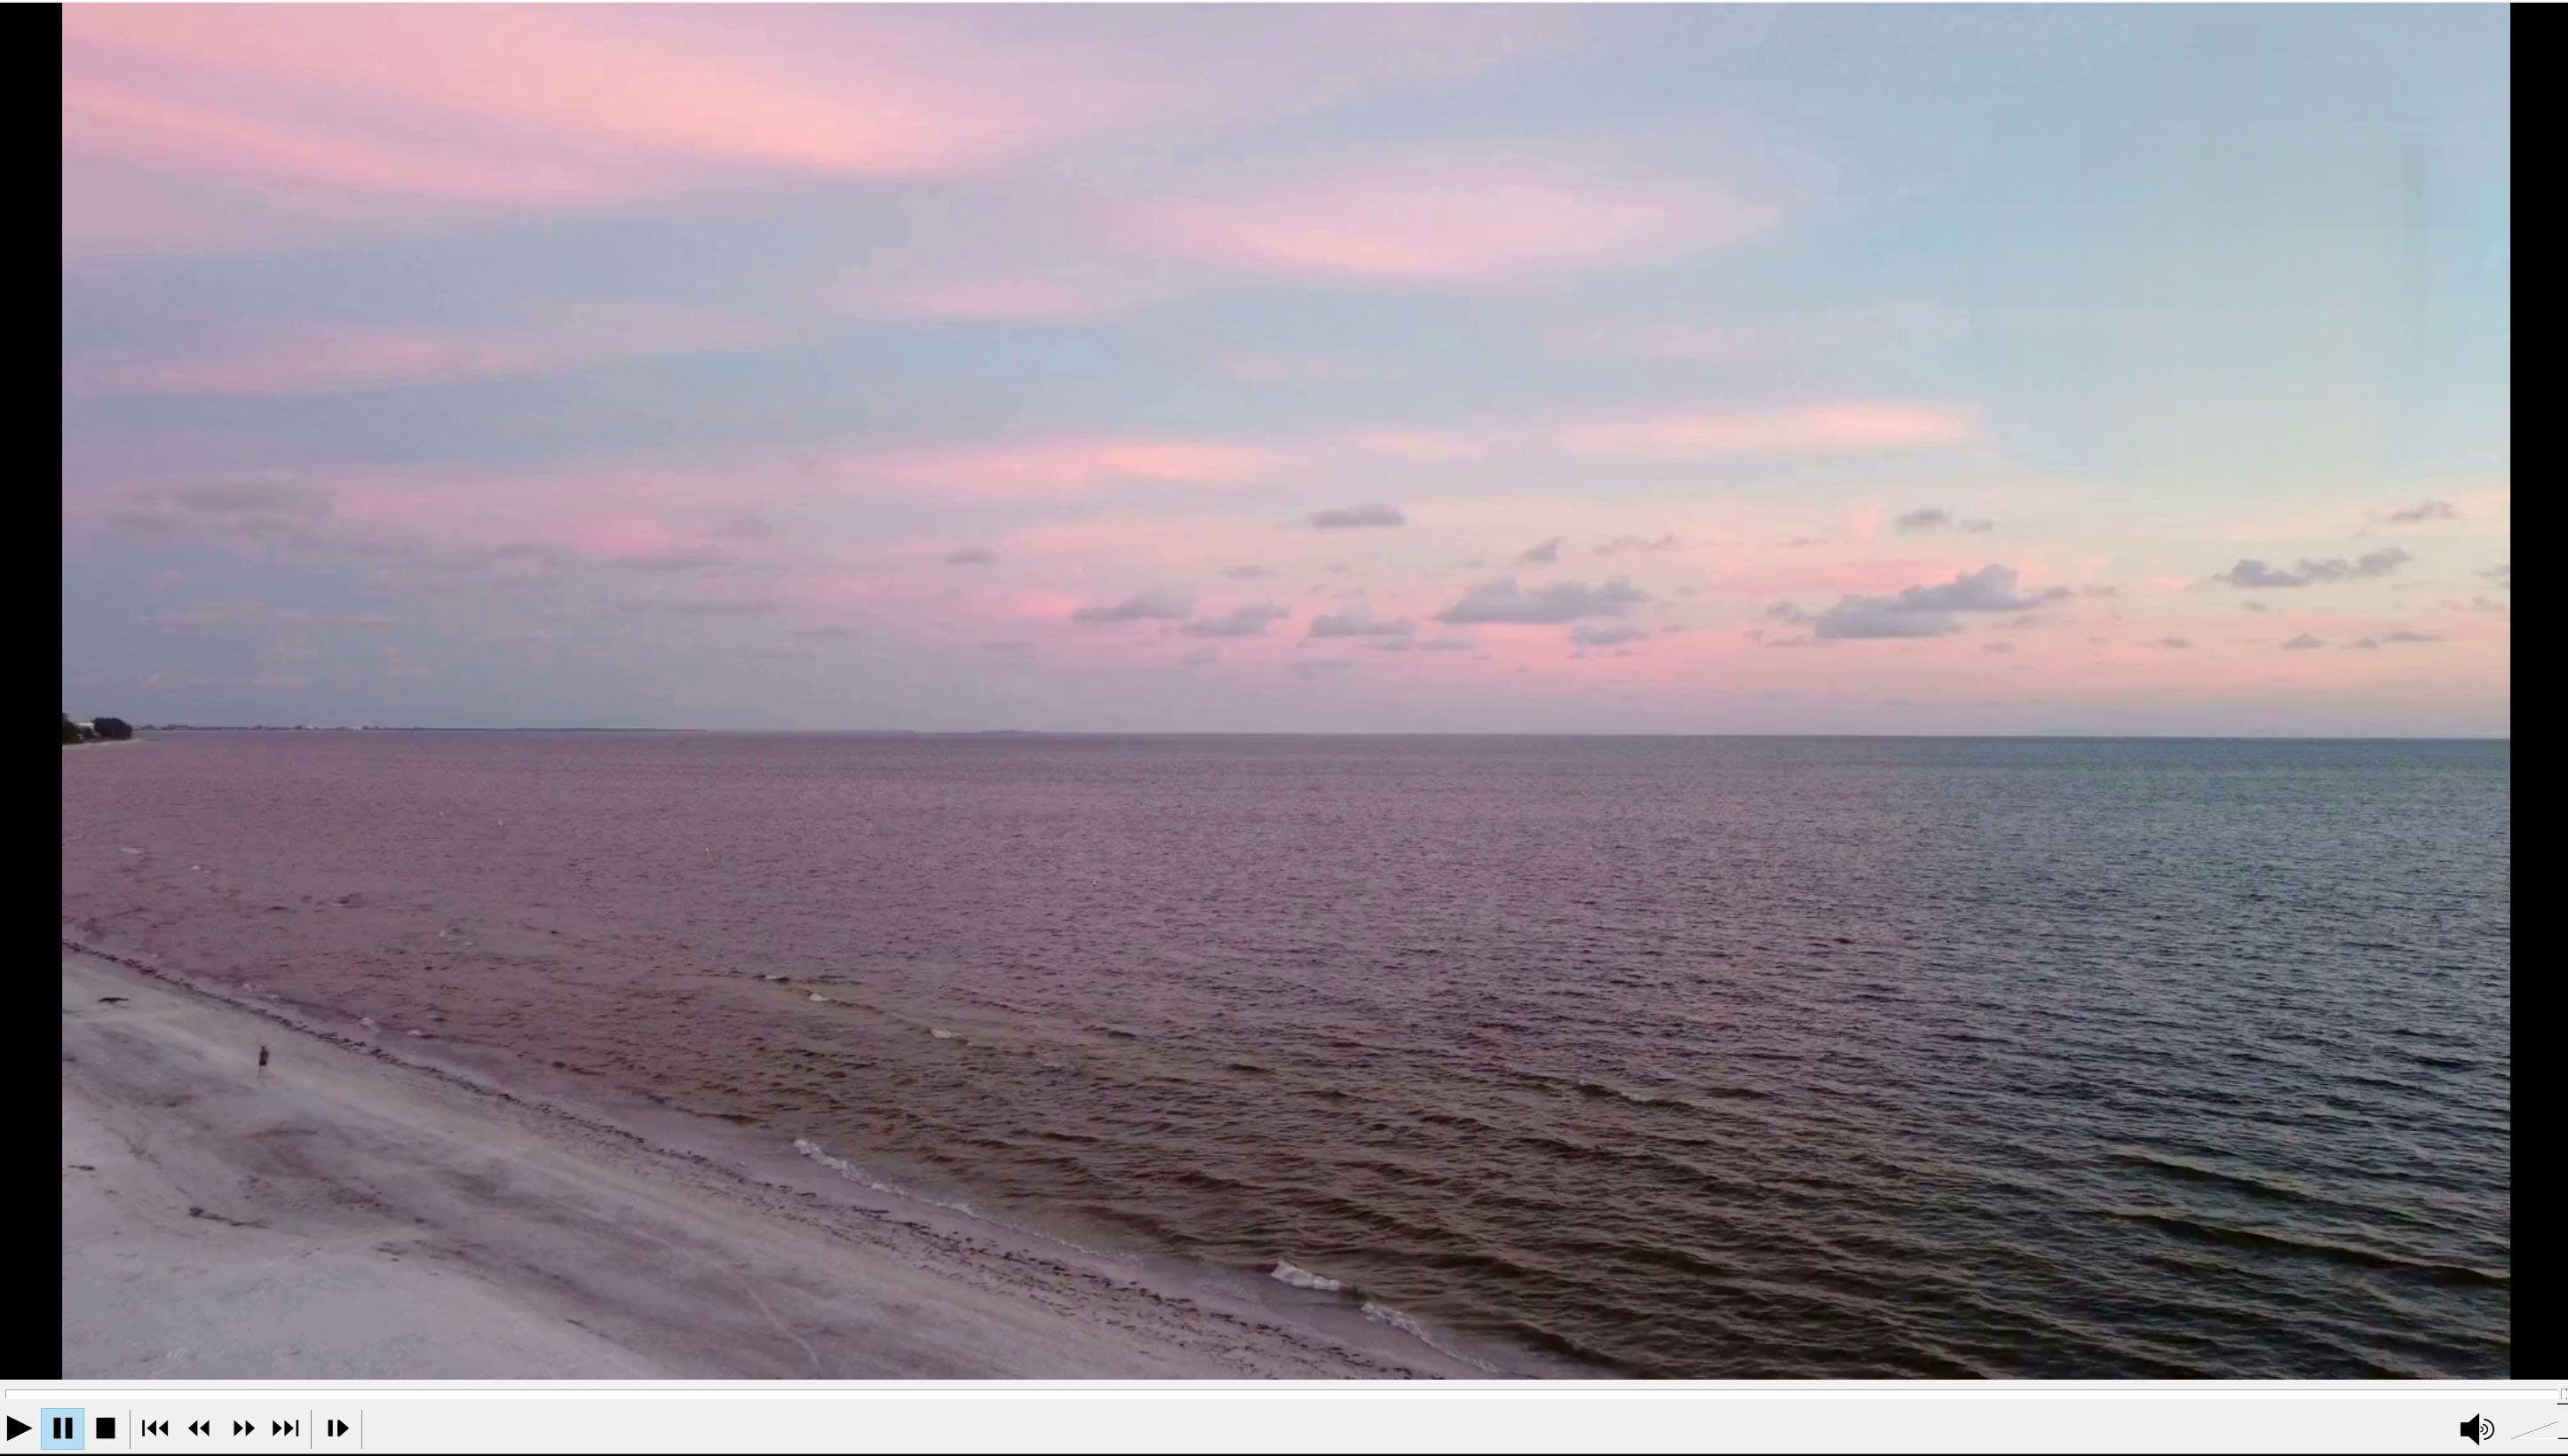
column 109, row 730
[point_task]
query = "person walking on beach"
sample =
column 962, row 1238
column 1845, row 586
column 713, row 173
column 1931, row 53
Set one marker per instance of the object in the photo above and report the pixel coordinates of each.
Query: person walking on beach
column 262, row 1062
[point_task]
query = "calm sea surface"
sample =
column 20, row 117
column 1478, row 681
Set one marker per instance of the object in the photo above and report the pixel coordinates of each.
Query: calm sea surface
column 1722, row 1058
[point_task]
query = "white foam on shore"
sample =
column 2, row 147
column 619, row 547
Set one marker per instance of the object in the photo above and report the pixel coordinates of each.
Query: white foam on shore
column 860, row 1176
column 1303, row 1279
column 1384, row 1315
column 855, row 1174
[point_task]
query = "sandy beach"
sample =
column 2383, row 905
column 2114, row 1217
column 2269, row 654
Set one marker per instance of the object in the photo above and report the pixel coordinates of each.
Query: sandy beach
column 351, row 1215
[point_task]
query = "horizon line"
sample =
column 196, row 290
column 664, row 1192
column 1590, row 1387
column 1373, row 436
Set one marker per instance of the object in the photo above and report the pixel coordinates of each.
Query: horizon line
column 1327, row 733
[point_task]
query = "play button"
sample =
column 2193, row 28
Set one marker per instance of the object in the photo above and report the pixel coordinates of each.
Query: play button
column 18, row 1428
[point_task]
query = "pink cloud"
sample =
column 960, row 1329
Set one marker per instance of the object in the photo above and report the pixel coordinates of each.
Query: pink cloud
column 357, row 107
column 134, row 126
column 320, row 359
column 1056, row 468
column 1422, row 445
column 1442, row 225
column 1028, row 298
column 1813, row 429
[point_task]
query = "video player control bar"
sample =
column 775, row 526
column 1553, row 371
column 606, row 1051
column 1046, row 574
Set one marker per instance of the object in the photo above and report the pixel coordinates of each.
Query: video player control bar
column 201, row 1427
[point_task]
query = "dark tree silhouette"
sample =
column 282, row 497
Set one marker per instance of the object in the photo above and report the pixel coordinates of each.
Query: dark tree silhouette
column 116, row 729
column 71, row 730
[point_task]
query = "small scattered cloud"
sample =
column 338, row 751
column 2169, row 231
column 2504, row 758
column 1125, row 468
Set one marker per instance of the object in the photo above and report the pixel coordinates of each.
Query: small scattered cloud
column 2174, row 641
column 1009, row 644
column 1996, row 647
column 1322, row 665
column 2376, row 642
column 2501, row 574
column 2256, row 606
column 1245, row 573
column 1542, row 555
column 1918, row 611
column 1243, row 621
column 1859, row 618
column 1503, row 600
column 1989, row 589
column 1933, row 518
column 744, row 528
column 2100, row 591
column 2304, row 643
column 2423, row 511
column 1351, row 517
column 1360, row 622
column 677, row 558
column 1606, row 633
column 1620, row 544
column 2254, row 574
column 971, row 556
column 1166, row 605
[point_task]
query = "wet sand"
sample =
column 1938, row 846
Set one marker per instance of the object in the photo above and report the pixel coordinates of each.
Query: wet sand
column 351, row 1215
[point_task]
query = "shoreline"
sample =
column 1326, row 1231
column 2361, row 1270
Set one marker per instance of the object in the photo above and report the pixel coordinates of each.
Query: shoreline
column 361, row 1214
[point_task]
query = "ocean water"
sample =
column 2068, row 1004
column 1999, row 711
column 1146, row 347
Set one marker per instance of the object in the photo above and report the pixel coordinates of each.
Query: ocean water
column 1680, row 1058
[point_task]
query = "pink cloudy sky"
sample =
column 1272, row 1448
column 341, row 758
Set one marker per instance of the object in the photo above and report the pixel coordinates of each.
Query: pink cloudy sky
column 1826, row 369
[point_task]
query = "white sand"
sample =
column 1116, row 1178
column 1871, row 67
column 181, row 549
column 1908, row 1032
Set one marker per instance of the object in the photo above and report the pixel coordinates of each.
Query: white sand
column 353, row 1217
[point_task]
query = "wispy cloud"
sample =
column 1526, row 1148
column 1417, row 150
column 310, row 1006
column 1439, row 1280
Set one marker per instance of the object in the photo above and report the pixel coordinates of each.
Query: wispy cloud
column 2395, row 635
column 1807, row 429
column 351, row 111
column 318, row 360
column 1359, row 621
column 1164, row 604
column 2423, row 511
column 1249, row 620
column 1062, row 467
column 1351, row 517
column 1933, row 518
column 1443, row 223
column 1606, row 633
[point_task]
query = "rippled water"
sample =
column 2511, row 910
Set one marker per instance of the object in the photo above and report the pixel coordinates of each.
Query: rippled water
column 1731, row 1057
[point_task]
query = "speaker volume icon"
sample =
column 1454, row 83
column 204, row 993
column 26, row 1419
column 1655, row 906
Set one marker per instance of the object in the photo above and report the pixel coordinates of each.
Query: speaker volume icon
column 2479, row 1428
